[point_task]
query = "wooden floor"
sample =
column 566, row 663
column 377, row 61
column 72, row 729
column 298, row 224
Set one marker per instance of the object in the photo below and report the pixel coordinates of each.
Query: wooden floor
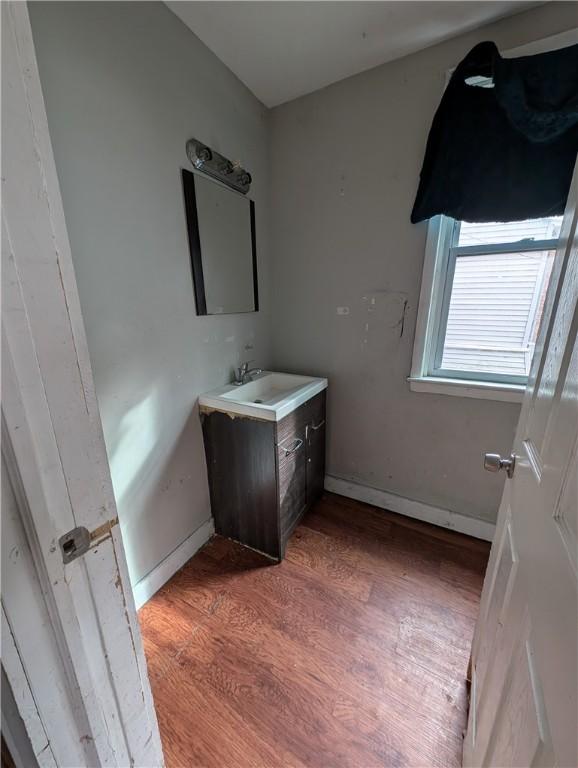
column 352, row 652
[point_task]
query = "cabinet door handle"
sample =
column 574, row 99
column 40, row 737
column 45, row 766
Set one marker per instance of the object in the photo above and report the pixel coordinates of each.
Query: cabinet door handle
column 298, row 444
column 313, row 428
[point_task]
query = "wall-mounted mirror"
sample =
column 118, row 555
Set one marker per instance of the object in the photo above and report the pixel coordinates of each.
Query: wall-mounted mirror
column 221, row 226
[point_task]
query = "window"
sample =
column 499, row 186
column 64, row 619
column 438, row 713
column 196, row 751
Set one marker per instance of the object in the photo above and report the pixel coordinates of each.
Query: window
column 482, row 295
column 482, row 298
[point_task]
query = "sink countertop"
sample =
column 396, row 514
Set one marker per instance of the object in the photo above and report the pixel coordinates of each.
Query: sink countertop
column 270, row 396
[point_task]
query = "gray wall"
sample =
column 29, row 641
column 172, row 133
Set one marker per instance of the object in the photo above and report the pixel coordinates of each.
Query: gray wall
column 345, row 166
column 126, row 84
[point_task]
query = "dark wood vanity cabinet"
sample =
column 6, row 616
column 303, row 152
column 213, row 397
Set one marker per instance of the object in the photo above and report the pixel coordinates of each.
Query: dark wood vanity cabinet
column 263, row 475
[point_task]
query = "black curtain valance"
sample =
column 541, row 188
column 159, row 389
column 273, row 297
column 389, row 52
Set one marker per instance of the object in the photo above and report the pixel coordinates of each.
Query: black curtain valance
column 507, row 152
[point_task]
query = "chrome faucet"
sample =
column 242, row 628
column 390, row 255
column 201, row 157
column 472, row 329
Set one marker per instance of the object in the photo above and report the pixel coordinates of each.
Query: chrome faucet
column 244, row 375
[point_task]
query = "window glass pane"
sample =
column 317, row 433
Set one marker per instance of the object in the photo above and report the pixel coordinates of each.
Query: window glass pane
column 509, row 232
column 494, row 313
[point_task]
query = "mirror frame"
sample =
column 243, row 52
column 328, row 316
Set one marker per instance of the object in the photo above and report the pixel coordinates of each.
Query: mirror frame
column 195, row 245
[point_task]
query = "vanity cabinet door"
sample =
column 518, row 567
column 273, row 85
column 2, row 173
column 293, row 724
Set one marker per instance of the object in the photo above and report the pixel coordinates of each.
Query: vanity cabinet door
column 300, row 462
column 292, row 475
column 315, row 439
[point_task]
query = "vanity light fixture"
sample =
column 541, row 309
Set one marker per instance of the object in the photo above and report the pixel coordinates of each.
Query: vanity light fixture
column 213, row 164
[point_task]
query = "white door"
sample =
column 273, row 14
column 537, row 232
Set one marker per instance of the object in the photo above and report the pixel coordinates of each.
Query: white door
column 72, row 649
column 523, row 709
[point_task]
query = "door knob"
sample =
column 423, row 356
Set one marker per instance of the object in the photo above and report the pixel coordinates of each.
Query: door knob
column 493, row 462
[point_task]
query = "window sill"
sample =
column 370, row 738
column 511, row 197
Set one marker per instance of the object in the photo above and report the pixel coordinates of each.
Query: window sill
column 483, row 390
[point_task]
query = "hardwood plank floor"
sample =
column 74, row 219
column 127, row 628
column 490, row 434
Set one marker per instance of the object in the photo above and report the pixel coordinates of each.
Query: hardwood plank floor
column 352, row 652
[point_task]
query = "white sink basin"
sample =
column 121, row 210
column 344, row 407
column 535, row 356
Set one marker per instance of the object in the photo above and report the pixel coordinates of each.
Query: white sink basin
column 270, row 396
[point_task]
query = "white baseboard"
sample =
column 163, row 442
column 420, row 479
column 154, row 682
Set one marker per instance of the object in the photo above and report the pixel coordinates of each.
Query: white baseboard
column 144, row 589
column 479, row 529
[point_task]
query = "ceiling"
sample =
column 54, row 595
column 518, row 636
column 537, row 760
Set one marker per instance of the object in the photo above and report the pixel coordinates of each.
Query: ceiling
column 283, row 49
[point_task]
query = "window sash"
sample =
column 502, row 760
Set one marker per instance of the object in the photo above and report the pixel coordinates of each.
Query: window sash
column 518, row 246
column 449, row 230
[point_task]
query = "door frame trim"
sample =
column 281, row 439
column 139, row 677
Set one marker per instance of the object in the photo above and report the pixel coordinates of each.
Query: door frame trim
column 52, row 438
